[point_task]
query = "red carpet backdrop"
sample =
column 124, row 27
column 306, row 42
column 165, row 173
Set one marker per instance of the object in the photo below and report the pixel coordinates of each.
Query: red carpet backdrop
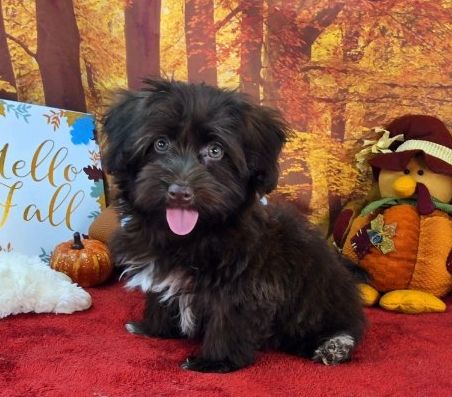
column 332, row 67
column 89, row 354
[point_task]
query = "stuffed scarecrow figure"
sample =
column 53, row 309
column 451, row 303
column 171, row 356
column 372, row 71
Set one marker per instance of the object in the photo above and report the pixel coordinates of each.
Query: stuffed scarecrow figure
column 403, row 238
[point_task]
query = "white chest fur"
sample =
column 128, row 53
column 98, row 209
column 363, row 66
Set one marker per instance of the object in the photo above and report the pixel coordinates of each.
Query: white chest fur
column 172, row 289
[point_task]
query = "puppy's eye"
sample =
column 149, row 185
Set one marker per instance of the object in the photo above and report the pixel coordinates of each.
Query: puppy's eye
column 420, row 172
column 215, row 151
column 406, row 171
column 161, row 145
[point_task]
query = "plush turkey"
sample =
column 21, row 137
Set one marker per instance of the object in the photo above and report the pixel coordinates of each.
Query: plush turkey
column 404, row 237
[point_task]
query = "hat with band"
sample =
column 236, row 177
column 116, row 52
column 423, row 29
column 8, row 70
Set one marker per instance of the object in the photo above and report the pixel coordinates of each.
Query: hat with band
column 423, row 136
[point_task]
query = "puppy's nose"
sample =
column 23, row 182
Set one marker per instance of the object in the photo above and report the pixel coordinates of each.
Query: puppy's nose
column 180, row 193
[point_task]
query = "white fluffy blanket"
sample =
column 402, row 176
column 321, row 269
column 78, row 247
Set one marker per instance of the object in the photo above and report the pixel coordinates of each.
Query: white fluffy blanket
column 29, row 285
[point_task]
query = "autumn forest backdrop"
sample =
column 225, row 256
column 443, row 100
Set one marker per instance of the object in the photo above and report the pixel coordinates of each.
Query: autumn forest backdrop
column 333, row 67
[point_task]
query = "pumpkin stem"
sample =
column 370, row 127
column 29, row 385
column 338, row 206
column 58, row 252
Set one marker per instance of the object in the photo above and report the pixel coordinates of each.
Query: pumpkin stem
column 78, row 245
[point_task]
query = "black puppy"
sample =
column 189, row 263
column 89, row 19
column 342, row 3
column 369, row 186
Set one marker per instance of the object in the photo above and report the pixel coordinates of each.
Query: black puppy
column 190, row 163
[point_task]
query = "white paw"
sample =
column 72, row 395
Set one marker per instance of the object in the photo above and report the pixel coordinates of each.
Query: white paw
column 134, row 328
column 335, row 350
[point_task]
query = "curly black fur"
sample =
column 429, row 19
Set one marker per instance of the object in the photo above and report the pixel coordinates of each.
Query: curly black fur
column 247, row 276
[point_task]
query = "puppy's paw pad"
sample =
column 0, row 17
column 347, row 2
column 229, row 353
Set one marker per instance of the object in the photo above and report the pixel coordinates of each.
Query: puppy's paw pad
column 202, row 365
column 335, row 350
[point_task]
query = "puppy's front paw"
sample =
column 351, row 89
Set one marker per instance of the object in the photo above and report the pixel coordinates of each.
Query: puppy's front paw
column 335, row 350
column 135, row 328
column 141, row 328
column 203, row 365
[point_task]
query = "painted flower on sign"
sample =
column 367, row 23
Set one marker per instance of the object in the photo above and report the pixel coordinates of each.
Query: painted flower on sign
column 82, row 130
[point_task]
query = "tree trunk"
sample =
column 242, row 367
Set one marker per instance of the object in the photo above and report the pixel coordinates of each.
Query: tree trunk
column 288, row 48
column 319, row 23
column 90, row 78
column 251, row 38
column 289, row 44
column 6, row 68
column 352, row 53
column 338, row 115
column 338, row 120
column 142, row 34
column 58, row 54
column 273, row 48
column 201, row 44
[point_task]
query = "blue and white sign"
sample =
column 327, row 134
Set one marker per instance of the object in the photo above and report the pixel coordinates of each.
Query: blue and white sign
column 51, row 181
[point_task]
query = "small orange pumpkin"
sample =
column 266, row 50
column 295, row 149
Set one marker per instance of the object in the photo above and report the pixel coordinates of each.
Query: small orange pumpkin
column 88, row 263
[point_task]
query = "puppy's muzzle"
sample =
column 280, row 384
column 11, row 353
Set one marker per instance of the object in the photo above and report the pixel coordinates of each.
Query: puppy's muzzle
column 180, row 195
column 180, row 215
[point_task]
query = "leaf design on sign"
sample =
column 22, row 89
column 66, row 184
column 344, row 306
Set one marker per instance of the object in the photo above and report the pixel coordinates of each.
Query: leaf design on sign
column 44, row 256
column 20, row 111
column 7, row 248
column 93, row 214
column 101, row 201
column 97, row 190
column 54, row 118
column 94, row 173
column 94, row 156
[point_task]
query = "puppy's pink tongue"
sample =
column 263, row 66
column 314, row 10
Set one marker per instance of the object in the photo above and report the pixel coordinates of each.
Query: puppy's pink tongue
column 181, row 221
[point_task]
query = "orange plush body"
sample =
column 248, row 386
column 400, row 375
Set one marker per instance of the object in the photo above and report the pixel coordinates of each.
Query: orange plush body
column 422, row 245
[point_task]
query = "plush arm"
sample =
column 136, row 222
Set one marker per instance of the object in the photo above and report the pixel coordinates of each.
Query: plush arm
column 344, row 221
column 341, row 226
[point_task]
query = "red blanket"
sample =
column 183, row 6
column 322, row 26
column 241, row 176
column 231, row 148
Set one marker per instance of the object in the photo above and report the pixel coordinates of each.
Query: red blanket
column 90, row 354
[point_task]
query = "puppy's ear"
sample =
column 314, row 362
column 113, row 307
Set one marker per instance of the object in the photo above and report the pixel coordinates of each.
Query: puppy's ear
column 125, row 120
column 120, row 121
column 266, row 132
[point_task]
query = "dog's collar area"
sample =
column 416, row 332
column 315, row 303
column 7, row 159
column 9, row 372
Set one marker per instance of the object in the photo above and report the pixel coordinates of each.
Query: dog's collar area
column 125, row 220
column 263, row 200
